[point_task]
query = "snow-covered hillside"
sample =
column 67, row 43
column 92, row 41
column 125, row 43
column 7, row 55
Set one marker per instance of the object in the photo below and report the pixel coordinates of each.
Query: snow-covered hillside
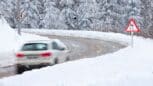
column 126, row 67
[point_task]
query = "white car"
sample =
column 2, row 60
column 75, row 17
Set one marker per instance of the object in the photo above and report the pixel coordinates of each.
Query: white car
column 42, row 53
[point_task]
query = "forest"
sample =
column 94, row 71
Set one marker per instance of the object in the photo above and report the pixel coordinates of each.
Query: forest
column 92, row 15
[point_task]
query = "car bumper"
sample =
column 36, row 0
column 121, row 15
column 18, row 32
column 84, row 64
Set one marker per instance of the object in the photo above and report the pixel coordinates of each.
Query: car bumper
column 34, row 62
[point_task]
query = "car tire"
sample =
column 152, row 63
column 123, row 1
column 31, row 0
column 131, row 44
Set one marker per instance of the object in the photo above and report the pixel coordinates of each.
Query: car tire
column 67, row 58
column 56, row 61
column 20, row 69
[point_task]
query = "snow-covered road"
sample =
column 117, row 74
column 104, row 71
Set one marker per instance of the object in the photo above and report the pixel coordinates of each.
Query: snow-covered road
column 80, row 48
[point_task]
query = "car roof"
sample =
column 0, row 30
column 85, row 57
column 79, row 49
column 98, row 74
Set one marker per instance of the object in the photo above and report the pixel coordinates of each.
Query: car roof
column 40, row 41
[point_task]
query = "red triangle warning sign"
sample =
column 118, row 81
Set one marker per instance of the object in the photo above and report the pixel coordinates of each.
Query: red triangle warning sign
column 132, row 26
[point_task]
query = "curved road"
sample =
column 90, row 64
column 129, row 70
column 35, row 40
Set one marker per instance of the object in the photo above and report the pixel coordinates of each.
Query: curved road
column 80, row 48
column 86, row 48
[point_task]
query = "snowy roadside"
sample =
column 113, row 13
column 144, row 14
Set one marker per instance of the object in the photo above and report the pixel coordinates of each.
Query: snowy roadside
column 85, row 34
column 126, row 67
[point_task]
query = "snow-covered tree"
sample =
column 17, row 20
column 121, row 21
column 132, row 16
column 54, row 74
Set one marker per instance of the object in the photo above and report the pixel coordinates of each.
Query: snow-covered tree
column 100, row 15
column 52, row 19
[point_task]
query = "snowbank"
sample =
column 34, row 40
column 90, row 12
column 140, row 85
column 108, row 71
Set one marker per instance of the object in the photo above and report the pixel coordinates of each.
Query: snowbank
column 127, row 67
column 7, row 36
column 7, row 44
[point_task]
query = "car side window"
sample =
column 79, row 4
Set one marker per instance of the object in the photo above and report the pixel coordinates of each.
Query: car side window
column 56, row 47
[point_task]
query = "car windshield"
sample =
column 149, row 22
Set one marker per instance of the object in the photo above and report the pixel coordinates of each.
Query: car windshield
column 34, row 47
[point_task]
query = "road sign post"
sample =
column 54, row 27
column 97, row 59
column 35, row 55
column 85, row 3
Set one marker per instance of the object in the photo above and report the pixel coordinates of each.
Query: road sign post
column 132, row 41
column 132, row 27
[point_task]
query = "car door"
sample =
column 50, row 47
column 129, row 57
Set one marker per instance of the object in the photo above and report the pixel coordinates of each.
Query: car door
column 60, row 51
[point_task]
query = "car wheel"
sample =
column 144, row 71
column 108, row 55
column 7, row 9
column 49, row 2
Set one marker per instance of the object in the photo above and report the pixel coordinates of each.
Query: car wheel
column 67, row 58
column 20, row 69
column 56, row 61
